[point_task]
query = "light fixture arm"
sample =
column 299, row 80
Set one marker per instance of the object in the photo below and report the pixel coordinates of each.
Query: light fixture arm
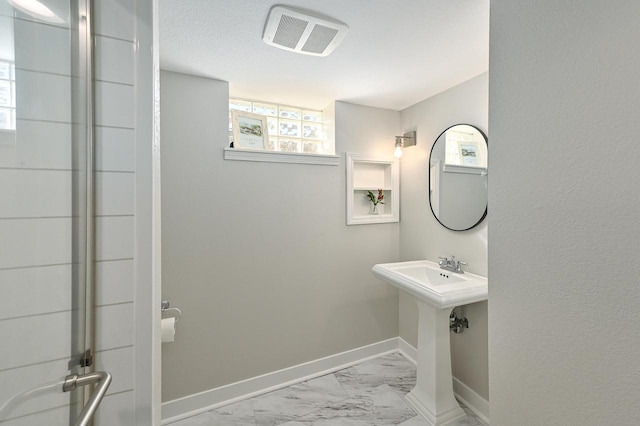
column 408, row 139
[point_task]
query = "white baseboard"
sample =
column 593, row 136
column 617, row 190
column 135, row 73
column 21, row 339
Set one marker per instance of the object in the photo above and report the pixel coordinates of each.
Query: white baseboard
column 198, row 403
column 472, row 400
column 182, row 408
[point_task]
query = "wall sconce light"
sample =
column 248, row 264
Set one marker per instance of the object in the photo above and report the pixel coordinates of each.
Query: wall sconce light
column 408, row 139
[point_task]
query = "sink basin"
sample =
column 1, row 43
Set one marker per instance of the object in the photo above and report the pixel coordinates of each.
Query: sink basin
column 428, row 283
column 435, row 291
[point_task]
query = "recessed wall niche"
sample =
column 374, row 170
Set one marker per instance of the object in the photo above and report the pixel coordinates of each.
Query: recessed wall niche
column 371, row 173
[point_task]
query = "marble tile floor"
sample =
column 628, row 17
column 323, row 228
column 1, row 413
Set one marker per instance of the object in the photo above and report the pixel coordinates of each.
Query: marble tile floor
column 370, row 393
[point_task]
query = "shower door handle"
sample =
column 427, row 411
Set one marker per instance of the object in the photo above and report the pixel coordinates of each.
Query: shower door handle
column 102, row 378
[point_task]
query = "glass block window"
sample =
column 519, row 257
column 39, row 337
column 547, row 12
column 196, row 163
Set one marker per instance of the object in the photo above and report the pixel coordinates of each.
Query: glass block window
column 7, row 95
column 291, row 129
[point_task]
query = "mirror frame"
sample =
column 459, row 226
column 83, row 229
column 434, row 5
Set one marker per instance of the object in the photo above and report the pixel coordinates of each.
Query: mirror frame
column 486, row 141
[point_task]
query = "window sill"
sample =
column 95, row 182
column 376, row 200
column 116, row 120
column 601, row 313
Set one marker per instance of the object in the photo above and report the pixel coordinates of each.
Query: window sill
column 280, row 157
column 472, row 170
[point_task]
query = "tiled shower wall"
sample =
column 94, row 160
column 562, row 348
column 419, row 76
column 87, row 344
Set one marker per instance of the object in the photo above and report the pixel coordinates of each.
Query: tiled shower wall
column 35, row 220
column 114, row 28
column 35, row 216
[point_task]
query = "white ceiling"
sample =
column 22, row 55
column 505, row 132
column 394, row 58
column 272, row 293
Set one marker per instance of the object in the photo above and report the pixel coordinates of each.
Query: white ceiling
column 396, row 53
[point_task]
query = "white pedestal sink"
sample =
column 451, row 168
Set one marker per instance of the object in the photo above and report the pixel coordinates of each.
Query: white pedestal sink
column 436, row 292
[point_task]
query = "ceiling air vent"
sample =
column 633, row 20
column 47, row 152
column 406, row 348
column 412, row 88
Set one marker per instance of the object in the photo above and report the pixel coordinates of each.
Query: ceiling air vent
column 303, row 31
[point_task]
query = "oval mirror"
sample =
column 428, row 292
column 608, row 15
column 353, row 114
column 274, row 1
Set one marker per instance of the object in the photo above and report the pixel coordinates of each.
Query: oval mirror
column 458, row 177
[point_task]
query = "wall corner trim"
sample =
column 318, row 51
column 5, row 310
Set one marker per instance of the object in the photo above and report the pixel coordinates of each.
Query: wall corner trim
column 407, row 350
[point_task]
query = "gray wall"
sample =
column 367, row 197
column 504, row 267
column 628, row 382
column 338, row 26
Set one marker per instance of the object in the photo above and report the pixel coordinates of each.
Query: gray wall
column 565, row 203
column 422, row 237
column 258, row 255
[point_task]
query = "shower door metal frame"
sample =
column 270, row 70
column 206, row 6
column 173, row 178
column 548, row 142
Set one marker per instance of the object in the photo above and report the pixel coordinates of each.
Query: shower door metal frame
column 81, row 365
column 90, row 301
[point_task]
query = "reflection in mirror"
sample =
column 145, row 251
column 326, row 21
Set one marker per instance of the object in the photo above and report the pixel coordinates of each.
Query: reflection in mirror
column 458, row 177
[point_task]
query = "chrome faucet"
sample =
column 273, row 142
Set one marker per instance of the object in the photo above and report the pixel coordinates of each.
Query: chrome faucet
column 452, row 264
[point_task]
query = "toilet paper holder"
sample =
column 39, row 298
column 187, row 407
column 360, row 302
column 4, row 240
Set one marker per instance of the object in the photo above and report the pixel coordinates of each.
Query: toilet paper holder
column 168, row 311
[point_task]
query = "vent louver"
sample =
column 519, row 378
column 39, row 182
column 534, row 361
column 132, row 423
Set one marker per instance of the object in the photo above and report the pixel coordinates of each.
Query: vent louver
column 289, row 31
column 319, row 39
column 303, row 31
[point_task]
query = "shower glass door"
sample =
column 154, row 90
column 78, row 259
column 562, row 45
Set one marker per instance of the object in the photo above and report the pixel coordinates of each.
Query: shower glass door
column 45, row 238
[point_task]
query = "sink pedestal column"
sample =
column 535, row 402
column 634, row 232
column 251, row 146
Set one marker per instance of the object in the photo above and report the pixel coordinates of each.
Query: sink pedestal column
column 433, row 395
